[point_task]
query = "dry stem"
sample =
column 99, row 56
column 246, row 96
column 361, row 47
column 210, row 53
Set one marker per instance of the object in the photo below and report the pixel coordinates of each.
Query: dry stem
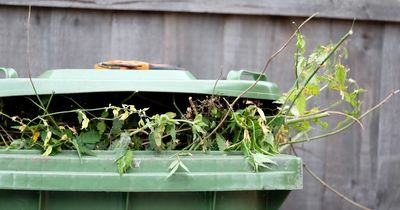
column 323, row 183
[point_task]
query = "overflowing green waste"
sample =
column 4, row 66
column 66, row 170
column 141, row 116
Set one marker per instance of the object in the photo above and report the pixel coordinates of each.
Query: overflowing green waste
column 207, row 180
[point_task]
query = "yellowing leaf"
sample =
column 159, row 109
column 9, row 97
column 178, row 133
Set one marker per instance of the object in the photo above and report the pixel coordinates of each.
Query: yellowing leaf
column 48, row 151
column 35, row 136
column 141, row 122
column 125, row 115
column 22, row 128
column 115, row 112
column 261, row 113
column 73, row 129
column 85, row 123
column 64, row 137
column 132, row 108
column 48, row 137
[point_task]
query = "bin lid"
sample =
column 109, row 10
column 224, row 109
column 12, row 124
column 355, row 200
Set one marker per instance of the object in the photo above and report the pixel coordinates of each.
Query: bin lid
column 71, row 81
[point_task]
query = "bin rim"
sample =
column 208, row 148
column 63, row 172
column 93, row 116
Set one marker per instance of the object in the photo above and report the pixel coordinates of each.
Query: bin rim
column 71, row 81
column 211, row 171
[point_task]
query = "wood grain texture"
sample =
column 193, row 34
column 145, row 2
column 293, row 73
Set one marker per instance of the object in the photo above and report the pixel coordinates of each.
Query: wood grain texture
column 195, row 43
column 386, row 10
column 247, row 42
column 388, row 184
column 363, row 164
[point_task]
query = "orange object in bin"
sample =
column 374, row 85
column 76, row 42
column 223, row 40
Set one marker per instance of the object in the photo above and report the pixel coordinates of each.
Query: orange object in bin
column 131, row 65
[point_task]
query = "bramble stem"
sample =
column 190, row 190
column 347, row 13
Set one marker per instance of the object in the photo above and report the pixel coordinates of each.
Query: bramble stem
column 348, row 125
column 308, row 117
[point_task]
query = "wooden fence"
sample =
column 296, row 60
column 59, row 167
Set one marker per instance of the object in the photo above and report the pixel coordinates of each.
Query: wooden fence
column 207, row 37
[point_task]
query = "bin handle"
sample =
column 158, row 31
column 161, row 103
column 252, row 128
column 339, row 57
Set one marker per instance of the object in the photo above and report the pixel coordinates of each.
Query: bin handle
column 236, row 75
column 9, row 72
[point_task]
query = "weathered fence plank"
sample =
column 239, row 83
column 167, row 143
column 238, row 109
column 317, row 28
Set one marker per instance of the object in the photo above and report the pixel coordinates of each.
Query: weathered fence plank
column 360, row 9
column 388, row 168
column 196, row 42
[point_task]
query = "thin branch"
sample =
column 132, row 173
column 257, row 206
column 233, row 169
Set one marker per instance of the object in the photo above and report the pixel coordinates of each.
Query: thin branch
column 390, row 95
column 8, row 135
column 28, row 53
column 349, row 116
column 216, row 82
column 192, row 105
column 308, row 117
column 4, row 140
column 324, row 184
column 261, row 73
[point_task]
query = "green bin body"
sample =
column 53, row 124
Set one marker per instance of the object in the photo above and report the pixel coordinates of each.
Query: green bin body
column 216, row 181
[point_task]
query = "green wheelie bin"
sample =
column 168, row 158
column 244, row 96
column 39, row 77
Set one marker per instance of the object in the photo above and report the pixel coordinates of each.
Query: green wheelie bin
column 217, row 180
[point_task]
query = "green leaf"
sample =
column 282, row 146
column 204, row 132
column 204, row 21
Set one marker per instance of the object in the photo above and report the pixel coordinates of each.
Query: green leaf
column 121, row 145
column 77, row 147
column 172, row 132
column 170, row 115
column 184, row 166
column 302, row 126
column 173, row 167
column 80, row 116
column 81, row 148
column 89, row 137
column 312, row 89
column 104, row 114
column 301, row 104
column 340, row 76
column 262, row 160
column 155, row 138
column 269, row 138
column 300, row 43
column 17, row 144
column 125, row 162
column 101, row 127
column 277, row 122
column 116, row 126
column 221, row 142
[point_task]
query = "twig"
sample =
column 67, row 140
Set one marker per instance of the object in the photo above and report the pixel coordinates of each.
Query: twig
column 192, row 105
column 308, row 117
column 8, row 135
column 259, row 77
column 347, row 115
column 348, row 125
column 28, row 53
column 323, row 183
column 296, row 59
column 216, row 82
column 4, row 141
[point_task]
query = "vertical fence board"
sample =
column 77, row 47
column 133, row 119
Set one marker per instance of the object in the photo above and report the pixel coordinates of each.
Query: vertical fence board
column 79, row 38
column 137, row 36
column 195, row 43
column 388, row 170
column 247, row 42
column 13, row 41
